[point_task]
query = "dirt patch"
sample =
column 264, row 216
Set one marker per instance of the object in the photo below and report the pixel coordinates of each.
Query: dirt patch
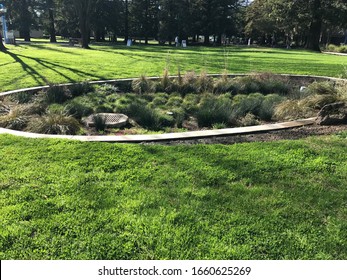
column 286, row 134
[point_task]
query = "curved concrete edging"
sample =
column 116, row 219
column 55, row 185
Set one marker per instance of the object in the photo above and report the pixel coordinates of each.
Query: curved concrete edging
column 166, row 136
column 129, row 80
column 169, row 136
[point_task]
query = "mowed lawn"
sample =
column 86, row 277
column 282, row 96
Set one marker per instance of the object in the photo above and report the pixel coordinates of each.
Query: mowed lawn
column 27, row 65
column 72, row 200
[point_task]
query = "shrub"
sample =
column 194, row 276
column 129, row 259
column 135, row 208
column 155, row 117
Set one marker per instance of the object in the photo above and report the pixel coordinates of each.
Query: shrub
column 292, row 110
column 56, row 108
column 246, row 84
column 322, row 88
column 179, row 115
column 54, row 123
column 56, row 94
column 174, row 101
column 14, row 120
column 267, row 107
column 81, row 89
column 213, row 110
column 204, row 83
column 225, row 84
column 188, row 83
column 190, row 102
column 123, row 103
column 244, row 104
column 105, row 108
column 318, row 101
column 159, row 100
column 99, row 122
column 142, row 85
column 165, row 120
column 21, row 97
column 79, row 107
column 248, row 120
column 166, row 84
column 143, row 115
column 107, row 89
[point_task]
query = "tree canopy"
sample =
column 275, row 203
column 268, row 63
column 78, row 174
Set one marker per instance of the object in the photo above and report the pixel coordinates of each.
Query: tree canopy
column 306, row 23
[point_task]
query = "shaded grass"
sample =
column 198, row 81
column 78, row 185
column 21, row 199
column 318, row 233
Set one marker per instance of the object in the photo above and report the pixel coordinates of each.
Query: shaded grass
column 280, row 200
column 39, row 63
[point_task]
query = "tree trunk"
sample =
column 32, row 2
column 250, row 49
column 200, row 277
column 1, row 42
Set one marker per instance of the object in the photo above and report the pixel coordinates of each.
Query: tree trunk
column 25, row 33
column 315, row 28
column 206, row 39
column 126, row 24
column 52, row 33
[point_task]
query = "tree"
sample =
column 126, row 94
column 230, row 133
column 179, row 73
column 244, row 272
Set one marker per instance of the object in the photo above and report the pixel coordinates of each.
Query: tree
column 22, row 15
column 84, row 10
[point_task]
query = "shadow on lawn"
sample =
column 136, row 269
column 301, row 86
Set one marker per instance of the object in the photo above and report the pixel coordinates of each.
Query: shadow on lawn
column 39, row 78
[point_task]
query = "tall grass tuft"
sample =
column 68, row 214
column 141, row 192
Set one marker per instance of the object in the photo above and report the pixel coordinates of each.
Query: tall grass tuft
column 213, row 110
column 54, row 123
column 142, row 85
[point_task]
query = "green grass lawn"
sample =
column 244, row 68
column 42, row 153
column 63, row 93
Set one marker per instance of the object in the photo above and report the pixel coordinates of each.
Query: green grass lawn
column 72, row 200
column 39, row 63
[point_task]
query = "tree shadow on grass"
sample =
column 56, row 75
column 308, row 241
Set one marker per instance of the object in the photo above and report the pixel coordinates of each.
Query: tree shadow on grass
column 28, row 69
column 41, row 79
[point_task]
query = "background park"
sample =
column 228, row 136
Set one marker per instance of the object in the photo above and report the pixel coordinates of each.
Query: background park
column 65, row 199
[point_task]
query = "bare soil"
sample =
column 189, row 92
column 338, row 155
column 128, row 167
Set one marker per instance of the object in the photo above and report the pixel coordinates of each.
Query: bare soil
column 285, row 134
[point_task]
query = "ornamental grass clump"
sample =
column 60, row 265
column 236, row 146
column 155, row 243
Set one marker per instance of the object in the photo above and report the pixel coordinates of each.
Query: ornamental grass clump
column 54, row 123
column 166, row 84
column 56, row 94
column 225, row 84
column 15, row 119
column 213, row 110
column 142, row 85
column 80, row 89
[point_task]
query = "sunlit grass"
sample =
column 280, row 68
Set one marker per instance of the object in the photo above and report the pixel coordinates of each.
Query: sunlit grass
column 40, row 63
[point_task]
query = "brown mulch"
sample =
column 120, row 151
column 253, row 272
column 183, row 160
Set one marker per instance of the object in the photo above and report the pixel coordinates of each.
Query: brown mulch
column 285, row 134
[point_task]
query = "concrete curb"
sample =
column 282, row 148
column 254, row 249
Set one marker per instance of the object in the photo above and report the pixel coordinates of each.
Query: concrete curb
column 129, row 80
column 169, row 136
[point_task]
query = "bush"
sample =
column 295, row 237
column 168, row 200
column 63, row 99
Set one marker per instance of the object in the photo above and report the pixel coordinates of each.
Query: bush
column 246, row 84
column 107, row 89
column 213, row 110
column 142, row 85
column 318, row 101
column 322, row 88
column 166, row 84
column 188, row 83
column 21, row 97
column 268, row 105
column 204, row 83
column 225, row 84
column 79, row 107
column 54, row 123
column 144, row 115
column 292, row 110
column 105, row 108
column 190, row 102
column 159, row 100
column 14, row 120
column 174, row 101
column 99, row 122
column 81, row 89
column 248, row 120
column 57, row 94
column 244, row 104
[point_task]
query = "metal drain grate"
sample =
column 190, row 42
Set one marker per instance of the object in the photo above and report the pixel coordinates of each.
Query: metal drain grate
column 111, row 120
